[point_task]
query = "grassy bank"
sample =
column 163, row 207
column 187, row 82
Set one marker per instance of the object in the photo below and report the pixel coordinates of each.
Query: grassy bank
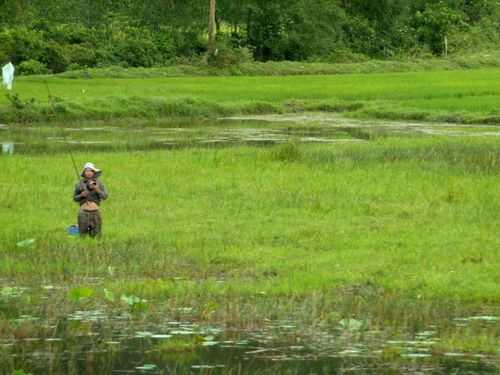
column 459, row 96
column 398, row 232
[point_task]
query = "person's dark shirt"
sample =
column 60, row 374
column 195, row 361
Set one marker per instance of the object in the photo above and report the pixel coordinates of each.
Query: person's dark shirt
column 92, row 196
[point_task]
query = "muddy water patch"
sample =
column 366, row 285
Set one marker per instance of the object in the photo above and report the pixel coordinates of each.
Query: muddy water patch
column 376, row 127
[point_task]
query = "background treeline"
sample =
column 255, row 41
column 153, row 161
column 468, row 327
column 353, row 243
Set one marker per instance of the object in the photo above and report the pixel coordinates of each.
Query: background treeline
column 41, row 36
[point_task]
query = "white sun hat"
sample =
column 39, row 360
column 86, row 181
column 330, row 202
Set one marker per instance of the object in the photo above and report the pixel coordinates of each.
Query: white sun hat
column 97, row 172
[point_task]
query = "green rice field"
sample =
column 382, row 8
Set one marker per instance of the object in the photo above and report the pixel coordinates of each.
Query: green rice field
column 461, row 96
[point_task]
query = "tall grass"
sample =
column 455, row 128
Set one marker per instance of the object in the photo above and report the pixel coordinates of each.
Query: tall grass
column 415, row 216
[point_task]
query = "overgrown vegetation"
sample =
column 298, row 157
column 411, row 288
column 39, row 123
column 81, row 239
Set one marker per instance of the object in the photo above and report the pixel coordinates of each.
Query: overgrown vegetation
column 68, row 35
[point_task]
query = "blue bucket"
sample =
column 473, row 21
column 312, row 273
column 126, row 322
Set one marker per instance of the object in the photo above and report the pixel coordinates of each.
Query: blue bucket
column 73, row 230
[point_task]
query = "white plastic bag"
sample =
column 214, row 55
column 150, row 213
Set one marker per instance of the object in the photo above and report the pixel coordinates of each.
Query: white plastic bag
column 8, row 75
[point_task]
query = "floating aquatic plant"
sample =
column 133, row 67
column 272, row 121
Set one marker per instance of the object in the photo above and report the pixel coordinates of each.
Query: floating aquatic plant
column 79, row 293
column 146, row 367
column 134, row 301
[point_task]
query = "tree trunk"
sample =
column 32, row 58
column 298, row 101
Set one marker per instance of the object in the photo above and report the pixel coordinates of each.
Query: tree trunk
column 211, row 28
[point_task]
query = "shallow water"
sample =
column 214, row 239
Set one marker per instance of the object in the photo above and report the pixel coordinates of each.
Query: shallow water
column 253, row 130
column 107, row 340
column 87, row 343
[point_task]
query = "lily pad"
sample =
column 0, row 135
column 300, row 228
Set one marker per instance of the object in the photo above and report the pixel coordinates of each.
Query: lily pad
column 183, row 332
column 142, row 334
column 132, row 300
column 351, row 324
column 80, row 292
column 161, row 336
column 146, row 367
column 416, row 355
column 209, row 343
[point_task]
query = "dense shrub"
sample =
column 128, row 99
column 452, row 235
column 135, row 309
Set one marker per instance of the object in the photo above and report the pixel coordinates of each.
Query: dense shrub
column 29, row 67
column 226, row 54
column 20, row 44
column 83, row 55
column 135, row 47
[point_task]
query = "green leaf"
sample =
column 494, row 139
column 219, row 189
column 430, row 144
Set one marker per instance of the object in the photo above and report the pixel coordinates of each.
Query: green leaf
column 25, row 244
column 80, row 292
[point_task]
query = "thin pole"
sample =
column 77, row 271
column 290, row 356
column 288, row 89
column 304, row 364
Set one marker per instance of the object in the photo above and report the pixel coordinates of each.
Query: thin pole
column 51, row 98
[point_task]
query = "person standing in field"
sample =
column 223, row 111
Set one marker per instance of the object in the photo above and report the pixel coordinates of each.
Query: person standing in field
column 88, row 193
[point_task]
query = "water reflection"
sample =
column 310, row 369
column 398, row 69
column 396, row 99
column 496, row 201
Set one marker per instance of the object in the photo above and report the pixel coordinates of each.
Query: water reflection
column 87, row 354
column 45, row 138
column 92, row 342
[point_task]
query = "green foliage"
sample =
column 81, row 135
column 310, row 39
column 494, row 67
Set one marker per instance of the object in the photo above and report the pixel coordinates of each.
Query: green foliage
column 297, row 30
column 19, row 103
column 227, row 55
column 20, row 44
column 361, row 35
column 21, row 372
column 29, row 67
column 434, row 24
column 73, row 34
column 81, row 56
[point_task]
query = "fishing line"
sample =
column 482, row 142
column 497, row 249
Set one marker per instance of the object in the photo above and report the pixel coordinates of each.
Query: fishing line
column 51, row 99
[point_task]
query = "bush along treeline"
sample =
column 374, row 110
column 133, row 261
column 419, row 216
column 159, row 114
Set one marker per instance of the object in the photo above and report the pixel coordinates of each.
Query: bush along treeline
column 51, row 37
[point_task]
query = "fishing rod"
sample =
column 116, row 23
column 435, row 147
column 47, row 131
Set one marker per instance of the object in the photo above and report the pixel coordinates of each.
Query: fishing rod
column 51, row 99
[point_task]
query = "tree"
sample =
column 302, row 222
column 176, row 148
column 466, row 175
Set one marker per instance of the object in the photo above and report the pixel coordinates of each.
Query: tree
column 211, row 28
column 434, row 24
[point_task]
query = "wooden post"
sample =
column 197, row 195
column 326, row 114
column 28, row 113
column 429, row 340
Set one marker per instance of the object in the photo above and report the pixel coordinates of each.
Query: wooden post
column 211, row 28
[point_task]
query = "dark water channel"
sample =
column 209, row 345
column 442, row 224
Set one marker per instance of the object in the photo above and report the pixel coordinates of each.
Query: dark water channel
column 87, row 343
